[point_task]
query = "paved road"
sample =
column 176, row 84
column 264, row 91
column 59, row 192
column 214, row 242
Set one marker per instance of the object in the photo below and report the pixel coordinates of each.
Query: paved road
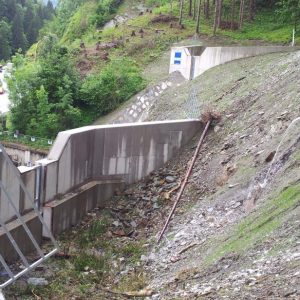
column 4, row 101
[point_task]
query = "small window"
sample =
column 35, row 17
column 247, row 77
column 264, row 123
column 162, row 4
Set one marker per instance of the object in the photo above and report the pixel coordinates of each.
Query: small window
column 177, row 62
column 177, row 54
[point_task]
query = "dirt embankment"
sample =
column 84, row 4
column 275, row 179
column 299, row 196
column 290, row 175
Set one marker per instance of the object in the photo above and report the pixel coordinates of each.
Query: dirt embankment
column 243, row 228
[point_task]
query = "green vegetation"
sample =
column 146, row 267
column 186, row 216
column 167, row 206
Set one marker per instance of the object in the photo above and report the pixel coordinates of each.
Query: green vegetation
column 64, row 82
column 50, row 93
column 256, row 227
column 30, row 141
column 119, row 80
column 20, row 21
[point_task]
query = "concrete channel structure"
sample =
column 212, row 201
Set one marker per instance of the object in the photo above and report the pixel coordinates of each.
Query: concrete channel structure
column 83, row 170
column 192, row 61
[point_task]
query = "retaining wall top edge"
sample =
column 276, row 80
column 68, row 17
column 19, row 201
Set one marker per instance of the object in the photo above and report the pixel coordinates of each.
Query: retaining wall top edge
column 24, row 169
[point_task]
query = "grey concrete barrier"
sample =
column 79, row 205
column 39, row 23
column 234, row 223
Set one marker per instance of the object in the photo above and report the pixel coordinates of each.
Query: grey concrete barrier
column 192, row 61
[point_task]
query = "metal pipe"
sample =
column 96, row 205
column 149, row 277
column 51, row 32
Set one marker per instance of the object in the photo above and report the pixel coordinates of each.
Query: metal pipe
column 33, row 240
column 13, row 242
column 31, row 267
column 185, row 179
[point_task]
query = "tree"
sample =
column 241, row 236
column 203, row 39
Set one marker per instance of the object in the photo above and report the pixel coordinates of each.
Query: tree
column 206, row 9
column 220, row 13
column 5, row 40
column 289, row 10
column 190, row 7
column 181, row 12
column 217, row 12
column 18, row 37
column 198, row 18
column 242, row 6
column 251, row 10
column 46, row 93
column 116, row 83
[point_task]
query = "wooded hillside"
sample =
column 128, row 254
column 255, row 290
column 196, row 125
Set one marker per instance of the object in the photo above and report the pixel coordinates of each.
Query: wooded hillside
column 20, row 22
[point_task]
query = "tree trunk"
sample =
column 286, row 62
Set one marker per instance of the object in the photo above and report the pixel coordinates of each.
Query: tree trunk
column 194, row 10
column 190, row 7
column 181, row 12
column 216, row 16
column 198, row 18
column 171, row 7
column 220, row 13
column 232, row 13
column 241, row 14
column 251, row 10
column 207, row 9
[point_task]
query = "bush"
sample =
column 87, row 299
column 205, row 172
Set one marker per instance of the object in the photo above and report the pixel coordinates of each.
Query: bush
column 115, row 84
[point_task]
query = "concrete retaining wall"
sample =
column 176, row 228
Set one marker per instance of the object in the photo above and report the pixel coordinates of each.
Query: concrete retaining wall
column 83, row 170
column 192, row 61
column 16, row 229
column 131, row 151
column 23, row 156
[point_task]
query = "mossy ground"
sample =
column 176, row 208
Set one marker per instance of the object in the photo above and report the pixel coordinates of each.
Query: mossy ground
column 258, row 225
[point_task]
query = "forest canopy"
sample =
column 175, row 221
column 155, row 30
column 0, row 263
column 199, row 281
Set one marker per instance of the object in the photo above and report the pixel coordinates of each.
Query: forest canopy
column 20, row 22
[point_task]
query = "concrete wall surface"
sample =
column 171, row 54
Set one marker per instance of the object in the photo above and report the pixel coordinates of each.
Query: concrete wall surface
column 20, row 236
column 83, row 170
column 130, row 151
column 23, row 156
column 198, row 59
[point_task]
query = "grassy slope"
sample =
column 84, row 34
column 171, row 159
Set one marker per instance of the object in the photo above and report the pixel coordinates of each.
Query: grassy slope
column 265, row 29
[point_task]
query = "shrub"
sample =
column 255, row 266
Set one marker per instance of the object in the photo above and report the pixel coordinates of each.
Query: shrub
column 116, row 83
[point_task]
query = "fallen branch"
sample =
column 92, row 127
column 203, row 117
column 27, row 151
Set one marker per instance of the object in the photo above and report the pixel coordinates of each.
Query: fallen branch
column 142, row 293
column 185, row 179
column 187, row 248
column 167, row 194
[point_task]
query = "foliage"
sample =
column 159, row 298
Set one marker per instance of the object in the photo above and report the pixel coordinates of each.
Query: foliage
column 20, row 21
column 257, row 226
column 289, row 10
column 116, row 83
column 44, row 94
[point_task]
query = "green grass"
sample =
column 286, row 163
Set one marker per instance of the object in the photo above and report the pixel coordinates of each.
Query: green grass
column 255, row 228
column 38, row 144
column 266, row 27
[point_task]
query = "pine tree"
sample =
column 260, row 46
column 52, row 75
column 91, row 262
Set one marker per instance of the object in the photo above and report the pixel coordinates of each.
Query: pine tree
column 18, row 39
column 5, row 40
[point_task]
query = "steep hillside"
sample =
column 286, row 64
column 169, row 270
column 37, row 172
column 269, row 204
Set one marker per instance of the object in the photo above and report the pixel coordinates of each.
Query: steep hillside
column 235, row 234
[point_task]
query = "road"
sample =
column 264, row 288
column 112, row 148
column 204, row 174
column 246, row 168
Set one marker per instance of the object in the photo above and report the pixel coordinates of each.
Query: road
column 4, row 101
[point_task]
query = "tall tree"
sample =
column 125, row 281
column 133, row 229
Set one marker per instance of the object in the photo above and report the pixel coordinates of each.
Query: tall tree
column 181, row 11
column 206, row 9
column 198, row 18
column 190, row 7
column 216, row 16
column 5, row 38
column 251, row 9
column 290, row 11
column 18, row 39
column 220, row 13
column 242, row 7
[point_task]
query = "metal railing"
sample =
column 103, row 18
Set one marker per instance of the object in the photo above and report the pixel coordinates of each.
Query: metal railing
column 28, row 140
column 12, row 273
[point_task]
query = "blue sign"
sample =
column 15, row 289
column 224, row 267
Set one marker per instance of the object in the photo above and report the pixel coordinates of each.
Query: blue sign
column 177, row 54
column 177, row 60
